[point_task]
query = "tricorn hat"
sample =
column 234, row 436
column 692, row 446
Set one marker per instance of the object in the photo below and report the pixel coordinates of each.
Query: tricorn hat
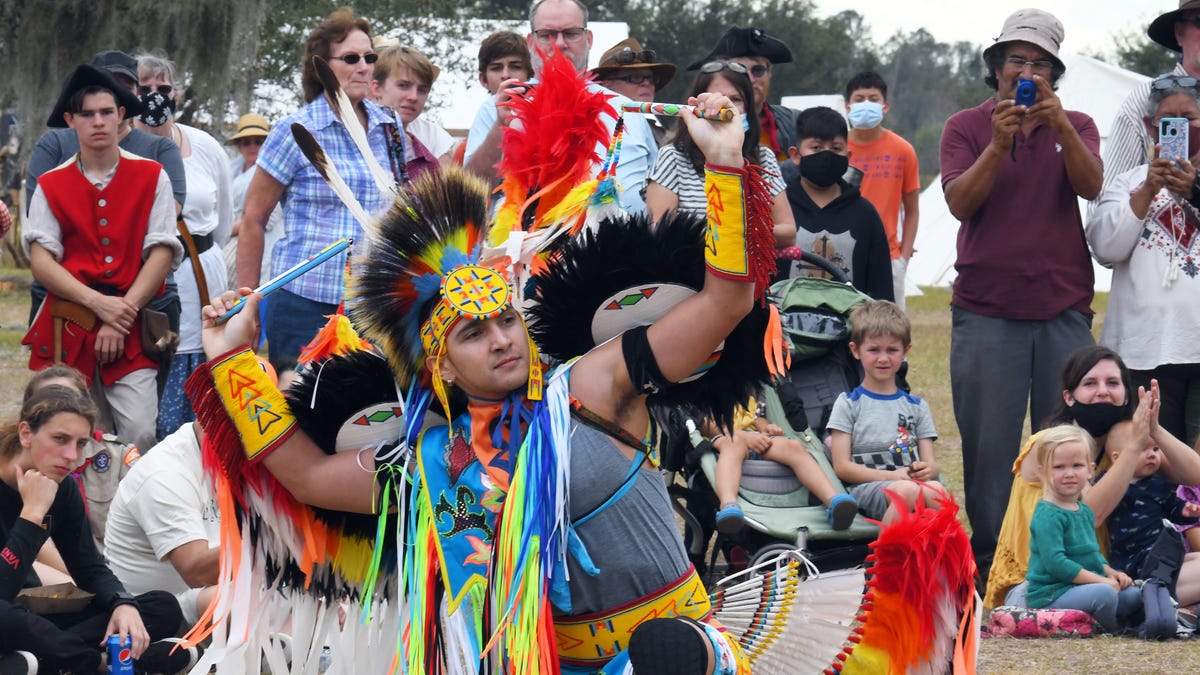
column 116, row 62
column 87, row 76
column 1162, row 29
column 628, row 54
column 747, row 42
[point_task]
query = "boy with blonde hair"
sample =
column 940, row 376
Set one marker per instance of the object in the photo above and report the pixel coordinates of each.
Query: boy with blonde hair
column 882, row 437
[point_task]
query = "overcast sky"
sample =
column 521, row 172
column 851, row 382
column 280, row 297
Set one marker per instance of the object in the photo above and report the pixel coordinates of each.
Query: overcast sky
column 1089, row 24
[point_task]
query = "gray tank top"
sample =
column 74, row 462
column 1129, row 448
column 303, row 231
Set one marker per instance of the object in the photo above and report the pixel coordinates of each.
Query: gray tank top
column 634, row 542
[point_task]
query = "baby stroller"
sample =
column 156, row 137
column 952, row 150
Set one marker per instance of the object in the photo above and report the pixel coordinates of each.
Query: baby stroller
column 780, row 513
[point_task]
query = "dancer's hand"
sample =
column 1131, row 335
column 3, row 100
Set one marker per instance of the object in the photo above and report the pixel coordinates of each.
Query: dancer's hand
column 241, row 330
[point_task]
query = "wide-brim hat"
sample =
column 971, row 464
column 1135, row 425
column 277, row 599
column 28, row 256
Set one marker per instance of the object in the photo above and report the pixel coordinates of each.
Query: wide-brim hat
column 87, row 76
column 1035, row 26
column 746, row 42
column 1162, row 29
column 250, row 125
column 609, row 65
column 117, row 62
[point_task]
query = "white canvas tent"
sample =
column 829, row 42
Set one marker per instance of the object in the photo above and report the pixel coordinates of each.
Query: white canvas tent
column 1089, row 85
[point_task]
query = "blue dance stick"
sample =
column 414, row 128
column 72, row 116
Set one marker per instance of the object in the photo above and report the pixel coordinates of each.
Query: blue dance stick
column 291, row 275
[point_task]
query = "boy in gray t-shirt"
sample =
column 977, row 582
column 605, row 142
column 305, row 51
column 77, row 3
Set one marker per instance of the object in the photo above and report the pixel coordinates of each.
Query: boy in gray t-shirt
column 881, row 437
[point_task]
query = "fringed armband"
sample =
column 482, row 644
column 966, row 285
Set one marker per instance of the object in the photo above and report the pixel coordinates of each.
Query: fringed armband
column 740, row 244
column 254, row 405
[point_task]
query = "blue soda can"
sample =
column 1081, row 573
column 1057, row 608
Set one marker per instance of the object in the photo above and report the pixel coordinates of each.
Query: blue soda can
column 120, row 659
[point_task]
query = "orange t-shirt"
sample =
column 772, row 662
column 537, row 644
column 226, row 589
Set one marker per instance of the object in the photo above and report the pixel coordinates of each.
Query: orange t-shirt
column 890, row 171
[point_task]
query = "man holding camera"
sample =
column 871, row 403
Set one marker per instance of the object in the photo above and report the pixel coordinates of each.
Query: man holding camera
column 1012, row 171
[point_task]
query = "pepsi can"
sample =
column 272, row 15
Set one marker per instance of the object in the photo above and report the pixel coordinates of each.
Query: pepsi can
column 120, row 658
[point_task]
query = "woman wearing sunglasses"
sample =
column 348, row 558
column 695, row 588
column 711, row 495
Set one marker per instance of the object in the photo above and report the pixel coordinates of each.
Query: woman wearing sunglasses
column 313, row 215
column 1145, row 227
column 208, row 216
column 676, row 182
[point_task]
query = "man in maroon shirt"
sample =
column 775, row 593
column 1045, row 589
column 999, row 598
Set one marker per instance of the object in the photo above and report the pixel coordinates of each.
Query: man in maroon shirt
column 1012, row 175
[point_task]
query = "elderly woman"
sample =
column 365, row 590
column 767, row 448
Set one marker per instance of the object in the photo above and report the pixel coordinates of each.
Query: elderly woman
column 402, row 79
column 208, row 215
column 313, row 215
column 1145, row 227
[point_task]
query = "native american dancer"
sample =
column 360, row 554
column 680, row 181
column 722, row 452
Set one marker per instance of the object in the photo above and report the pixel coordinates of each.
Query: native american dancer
column 523, row 527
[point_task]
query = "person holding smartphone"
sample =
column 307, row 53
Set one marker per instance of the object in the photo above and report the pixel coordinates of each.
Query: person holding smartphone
column 1145, row 227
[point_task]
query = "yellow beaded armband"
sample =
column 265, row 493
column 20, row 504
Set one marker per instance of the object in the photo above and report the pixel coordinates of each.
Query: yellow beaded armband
column 725, row 239
column 255, row 405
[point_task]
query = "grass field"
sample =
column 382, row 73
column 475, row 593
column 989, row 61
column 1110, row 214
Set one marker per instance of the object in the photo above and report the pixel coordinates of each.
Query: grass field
column 929, row 375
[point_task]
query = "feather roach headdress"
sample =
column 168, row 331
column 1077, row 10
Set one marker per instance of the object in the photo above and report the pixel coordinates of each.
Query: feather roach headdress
column 422, row 273
column 628, row 273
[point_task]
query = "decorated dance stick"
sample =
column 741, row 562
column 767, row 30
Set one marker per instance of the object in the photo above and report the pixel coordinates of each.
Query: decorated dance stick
column 295, row 272
column 676, row 109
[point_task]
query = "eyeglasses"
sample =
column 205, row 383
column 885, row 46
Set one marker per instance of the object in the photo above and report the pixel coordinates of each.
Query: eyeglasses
column 1040, row 66
column 546, row 36
column 627, row 57
column 351, row 59
column 759, row 71
column 634, row 78
column 718, row 66
column 1173, row 81
column 164, row 89
column 253, row 140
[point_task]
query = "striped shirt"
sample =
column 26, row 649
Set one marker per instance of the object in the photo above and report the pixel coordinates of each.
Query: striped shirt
column 1129, row 143
column 313, row 215
column 674, row 171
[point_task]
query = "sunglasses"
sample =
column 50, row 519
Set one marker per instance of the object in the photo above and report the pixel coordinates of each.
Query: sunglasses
column 164, row 89
column 718, row 66
column 351, row 59
column 255, row 140
column 635, row 78
column 627, row 57
column 1173, row 81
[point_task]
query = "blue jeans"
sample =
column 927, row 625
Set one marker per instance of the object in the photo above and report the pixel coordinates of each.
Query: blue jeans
column 1103, row 602
column 291, row 323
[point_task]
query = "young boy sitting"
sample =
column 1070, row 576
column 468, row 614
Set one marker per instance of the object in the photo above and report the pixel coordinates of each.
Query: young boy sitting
column 881, row 437
column 753, row 433
column 833, row 219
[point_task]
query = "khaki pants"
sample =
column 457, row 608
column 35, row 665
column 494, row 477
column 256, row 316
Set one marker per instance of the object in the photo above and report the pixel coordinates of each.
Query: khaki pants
column 129, row 407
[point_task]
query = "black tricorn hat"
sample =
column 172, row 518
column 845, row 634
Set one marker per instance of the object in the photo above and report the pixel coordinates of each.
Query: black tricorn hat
column 88, row 76
column 747, row 42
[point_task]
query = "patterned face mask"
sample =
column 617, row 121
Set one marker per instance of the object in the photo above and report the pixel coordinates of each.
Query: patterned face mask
column 156, row 109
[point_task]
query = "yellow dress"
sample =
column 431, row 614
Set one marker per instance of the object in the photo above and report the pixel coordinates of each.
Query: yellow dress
column 1011, row 560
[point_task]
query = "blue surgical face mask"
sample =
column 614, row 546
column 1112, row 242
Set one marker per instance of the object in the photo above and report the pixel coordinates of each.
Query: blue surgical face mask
column 866, row 114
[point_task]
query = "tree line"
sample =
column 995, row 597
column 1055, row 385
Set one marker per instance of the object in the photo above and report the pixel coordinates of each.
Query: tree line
column 232, row 53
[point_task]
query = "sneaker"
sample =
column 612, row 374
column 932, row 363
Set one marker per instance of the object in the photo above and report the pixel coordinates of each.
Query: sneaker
column 730, row 519
column 165, row 657
column 841, row 511
column 18, row 663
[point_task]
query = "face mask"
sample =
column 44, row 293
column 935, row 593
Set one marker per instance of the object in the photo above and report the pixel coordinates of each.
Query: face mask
column 1096, row 418
column 824, row 168
column 156, row 109
column 866, row 114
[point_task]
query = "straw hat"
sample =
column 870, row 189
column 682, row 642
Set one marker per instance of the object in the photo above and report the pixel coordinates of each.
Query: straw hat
column 249, row 126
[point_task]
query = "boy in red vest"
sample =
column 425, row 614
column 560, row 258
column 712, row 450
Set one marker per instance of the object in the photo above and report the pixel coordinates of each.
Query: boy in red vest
column 101, row 238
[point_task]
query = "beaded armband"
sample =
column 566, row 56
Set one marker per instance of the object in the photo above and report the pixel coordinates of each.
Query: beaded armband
column 254, row 405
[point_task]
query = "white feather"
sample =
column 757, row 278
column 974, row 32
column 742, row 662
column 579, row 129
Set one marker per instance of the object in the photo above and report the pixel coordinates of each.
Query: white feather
column 345, row 112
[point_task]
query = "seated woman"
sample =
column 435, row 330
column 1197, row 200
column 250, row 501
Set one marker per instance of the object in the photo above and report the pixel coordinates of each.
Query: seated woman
column 36, row 453
column 1145, row 228
column 1097, row 397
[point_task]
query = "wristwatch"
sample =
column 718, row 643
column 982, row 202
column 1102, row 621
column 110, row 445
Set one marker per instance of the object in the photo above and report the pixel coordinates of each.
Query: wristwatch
column 122, row 598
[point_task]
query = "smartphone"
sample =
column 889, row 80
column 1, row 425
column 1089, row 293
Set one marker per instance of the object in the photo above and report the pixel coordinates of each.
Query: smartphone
column 1173, row 138
column 1026, row 92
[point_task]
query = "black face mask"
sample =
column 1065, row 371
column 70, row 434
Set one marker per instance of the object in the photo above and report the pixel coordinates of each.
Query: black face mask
column 823, row 168
column 1096, row 418
column 156, row 109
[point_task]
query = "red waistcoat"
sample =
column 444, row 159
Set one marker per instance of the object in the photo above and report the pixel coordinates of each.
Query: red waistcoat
column 103, row 232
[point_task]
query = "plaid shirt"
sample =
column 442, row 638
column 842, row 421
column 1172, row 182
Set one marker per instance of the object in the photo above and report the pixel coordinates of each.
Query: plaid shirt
column 313, row 216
